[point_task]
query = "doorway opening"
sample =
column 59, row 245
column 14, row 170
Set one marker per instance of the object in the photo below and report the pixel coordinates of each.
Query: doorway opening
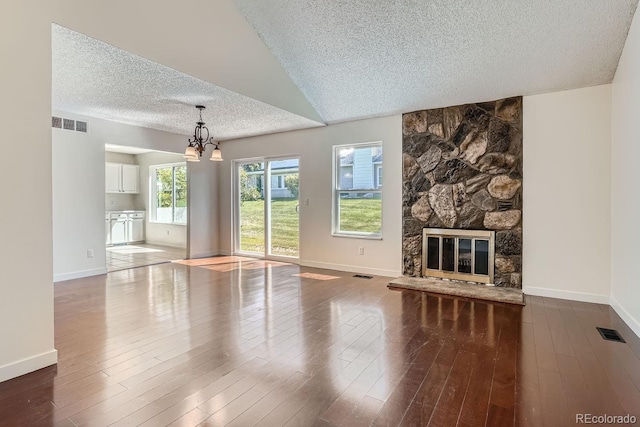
column 146, row 207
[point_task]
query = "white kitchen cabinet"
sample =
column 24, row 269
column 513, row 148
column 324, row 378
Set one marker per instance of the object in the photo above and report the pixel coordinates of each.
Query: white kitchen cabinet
column 118, row 229
column 130, row 175
column 124, row 227
column 135, row 227
column 112, row 177
column 121, row 178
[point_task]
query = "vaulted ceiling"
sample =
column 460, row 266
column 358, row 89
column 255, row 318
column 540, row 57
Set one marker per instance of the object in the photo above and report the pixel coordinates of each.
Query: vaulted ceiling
column 273, row 66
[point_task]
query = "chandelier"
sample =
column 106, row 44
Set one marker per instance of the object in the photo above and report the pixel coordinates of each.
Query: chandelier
column 199, row 142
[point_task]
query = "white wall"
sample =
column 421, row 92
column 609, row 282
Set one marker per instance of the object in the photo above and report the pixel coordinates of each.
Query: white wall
column 566, row 194
column 625, row 189
column 314, row 146
column 155, row 233
column 78, row 205
column 124, row 158
column 203, row 207
column 26, row 264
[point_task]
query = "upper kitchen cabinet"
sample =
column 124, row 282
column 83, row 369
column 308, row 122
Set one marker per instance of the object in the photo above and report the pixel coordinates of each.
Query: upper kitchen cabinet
column 121, row 178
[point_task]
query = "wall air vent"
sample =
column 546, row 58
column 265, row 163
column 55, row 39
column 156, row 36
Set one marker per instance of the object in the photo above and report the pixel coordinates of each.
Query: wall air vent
column 81, row 126
column 68, row 124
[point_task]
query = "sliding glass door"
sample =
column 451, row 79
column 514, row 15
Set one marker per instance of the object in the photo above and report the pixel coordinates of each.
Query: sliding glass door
column 283, row 208
column 267, row 207
column 250, row 233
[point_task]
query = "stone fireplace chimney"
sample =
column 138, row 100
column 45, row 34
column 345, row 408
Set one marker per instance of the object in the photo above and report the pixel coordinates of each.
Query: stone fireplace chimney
column 462, row 169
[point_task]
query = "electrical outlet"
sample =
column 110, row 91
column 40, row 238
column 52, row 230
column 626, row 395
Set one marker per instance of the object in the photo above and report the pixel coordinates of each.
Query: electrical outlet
column 89, row 253
column 361, row 250
column 306, row 202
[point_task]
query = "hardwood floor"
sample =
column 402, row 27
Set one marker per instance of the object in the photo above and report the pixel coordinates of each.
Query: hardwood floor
column 241, row 342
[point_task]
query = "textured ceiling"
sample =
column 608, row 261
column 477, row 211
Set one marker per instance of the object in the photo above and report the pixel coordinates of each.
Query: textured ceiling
column 351, row 59
column 358, row 58
column 95, row 79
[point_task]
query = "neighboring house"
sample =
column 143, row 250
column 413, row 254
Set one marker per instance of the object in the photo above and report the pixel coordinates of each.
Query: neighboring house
column 279, row 171
column 361, row 168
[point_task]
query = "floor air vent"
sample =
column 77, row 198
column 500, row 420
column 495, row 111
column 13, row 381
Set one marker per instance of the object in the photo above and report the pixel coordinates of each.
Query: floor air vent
column 610, row 334
column 362, row 276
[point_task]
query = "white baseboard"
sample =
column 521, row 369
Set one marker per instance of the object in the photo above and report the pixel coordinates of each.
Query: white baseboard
column 166, row 245
column 631, row 321
column 79, row 274
column 30, row 364
column 350, row 268
column 570, row 295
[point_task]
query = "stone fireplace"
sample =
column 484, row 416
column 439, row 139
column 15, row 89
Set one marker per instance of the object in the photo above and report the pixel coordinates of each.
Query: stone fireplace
column 462, row 170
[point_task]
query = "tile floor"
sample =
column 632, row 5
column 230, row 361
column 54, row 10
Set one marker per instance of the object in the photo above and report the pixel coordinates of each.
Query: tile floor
column 123, row 257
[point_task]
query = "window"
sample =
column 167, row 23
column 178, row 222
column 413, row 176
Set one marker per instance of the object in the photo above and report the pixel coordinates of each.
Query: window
column 277, row 182
column 357, row 190
column 168, row 193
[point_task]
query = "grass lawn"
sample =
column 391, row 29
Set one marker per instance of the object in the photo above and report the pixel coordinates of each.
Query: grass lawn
column 363, row 215
column 355, row 215
column 284, row 227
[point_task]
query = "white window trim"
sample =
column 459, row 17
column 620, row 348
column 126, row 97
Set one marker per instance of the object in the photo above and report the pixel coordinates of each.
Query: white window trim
column 335, row 203
column 153, row 189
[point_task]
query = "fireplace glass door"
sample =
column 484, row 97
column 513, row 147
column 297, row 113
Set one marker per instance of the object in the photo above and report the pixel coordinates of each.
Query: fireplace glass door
column 464, row 256
column 467, row 255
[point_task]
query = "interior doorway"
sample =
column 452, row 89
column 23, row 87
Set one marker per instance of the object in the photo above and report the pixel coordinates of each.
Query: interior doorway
column 146, row 207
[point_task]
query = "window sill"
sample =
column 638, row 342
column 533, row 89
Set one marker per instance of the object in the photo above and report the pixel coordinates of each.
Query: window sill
column 167, row 223
column 358, row 236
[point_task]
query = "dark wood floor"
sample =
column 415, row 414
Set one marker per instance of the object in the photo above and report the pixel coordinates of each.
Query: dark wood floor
column 246, row 342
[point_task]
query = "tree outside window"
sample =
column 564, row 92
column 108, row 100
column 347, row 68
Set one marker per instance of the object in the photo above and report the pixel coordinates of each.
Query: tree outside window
column 169, row 195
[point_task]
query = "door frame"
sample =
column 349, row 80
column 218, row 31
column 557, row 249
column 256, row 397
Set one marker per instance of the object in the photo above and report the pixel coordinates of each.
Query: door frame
column 235, row 220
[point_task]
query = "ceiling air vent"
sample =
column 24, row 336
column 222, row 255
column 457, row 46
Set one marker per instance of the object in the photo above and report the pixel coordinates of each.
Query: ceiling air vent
column 81, row 126
column 56, row 122
column 68, row 124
